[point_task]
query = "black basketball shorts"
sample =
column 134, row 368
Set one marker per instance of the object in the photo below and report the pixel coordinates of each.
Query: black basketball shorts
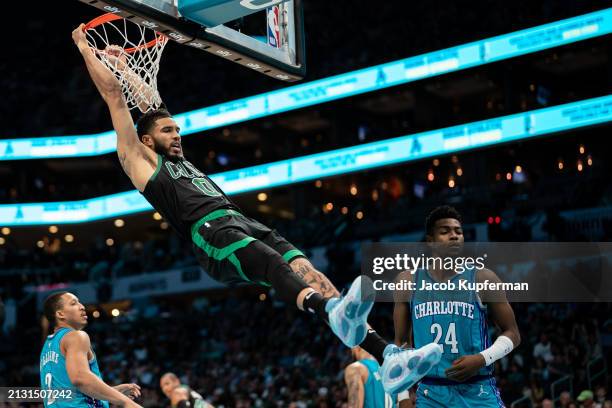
column 233, row 248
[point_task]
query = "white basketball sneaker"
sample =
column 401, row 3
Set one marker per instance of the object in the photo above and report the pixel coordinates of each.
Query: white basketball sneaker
column 348, row 315
column 402, row 368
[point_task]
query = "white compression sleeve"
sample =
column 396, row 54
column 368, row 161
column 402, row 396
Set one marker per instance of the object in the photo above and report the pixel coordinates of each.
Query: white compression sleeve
column 502, row 347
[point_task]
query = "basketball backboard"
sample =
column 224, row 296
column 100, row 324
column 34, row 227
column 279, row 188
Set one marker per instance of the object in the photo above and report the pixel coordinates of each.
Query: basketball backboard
column 274, row 46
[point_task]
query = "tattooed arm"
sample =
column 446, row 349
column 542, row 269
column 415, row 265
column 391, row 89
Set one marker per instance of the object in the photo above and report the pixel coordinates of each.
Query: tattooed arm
column 355, row 376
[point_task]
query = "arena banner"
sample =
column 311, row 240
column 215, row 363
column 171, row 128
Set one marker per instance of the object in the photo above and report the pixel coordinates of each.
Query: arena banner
column 459, row 274
column 374, row 78
column 164, row 283
column 131, row 287
column 402, row 149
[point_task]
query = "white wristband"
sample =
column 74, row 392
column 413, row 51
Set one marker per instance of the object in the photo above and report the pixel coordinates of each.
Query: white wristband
column 404, row 395
column 502, row 347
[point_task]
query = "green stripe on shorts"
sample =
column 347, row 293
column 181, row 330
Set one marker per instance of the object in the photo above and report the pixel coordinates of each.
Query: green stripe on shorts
column 236, row 262
column 219, row 254
column 212, row 216
column 289, row 255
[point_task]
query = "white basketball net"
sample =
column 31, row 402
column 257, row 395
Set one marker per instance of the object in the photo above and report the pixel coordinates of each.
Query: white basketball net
column 134, row 60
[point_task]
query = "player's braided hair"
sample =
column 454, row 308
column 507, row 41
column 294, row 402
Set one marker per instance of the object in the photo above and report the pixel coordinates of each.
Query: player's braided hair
column 145, row 123
column 440, row 213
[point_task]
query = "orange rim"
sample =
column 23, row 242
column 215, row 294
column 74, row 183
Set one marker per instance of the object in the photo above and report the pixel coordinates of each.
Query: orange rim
column 108, row 17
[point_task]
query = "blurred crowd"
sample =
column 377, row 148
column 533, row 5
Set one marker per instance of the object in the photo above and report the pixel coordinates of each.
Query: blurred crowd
column 245, row 352
column 218, row 347
column 561, row 340
column 106, row 261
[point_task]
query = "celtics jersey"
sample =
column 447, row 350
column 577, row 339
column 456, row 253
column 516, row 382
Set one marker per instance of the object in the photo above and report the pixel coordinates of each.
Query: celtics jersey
column 182, row 194
column 375, row 396
column 54, row 376
column 456, row 319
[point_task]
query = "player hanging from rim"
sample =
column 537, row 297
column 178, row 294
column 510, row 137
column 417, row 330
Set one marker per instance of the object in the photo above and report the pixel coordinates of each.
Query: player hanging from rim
column 363, row 382
column 67, row 361
column 229, row 246
column 464, row 376
column 180, row 395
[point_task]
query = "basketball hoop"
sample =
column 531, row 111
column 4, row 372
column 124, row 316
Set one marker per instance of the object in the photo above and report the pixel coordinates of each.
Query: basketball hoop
column 132, row 53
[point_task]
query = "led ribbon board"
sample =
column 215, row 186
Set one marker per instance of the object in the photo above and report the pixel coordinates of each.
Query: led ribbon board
column 341, row 161
column 341, row 86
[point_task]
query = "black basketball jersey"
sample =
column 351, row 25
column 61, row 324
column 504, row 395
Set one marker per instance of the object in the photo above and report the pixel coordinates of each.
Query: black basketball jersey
column 182, row 194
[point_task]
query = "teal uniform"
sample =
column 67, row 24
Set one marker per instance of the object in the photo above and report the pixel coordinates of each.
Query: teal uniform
column 53, row 376
column 375, row 396
column 458, row 321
